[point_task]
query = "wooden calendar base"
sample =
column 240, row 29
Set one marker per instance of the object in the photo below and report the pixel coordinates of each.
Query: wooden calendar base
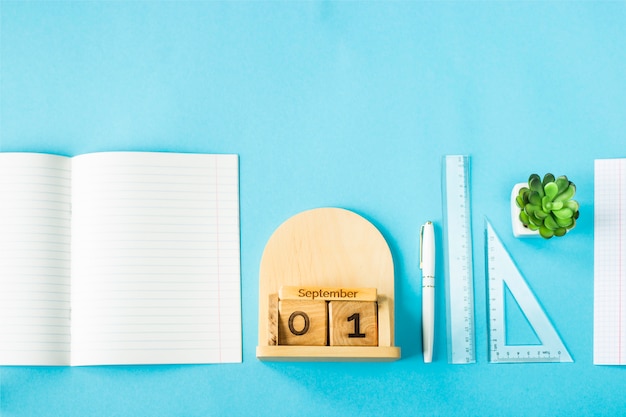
column 326, row 248
column 328, row 353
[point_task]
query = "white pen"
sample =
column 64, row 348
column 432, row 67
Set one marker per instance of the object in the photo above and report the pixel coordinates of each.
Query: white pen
column 427, row 265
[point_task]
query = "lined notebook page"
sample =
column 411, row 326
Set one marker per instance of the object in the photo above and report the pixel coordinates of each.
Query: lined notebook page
column 609, row 338
column 155, row 266
column 34, row 259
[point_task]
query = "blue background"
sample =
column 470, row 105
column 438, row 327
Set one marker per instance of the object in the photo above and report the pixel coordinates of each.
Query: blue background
column 337, row 104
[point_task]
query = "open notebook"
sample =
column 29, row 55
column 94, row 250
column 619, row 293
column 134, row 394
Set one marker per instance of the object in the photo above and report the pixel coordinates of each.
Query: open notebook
column 119, row 258
column 609, row 322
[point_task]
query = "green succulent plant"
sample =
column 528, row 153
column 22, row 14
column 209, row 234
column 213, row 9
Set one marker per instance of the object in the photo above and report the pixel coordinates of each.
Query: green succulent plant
column 547, row 205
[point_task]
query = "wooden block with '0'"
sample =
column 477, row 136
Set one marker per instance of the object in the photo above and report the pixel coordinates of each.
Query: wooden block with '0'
column 302, row 323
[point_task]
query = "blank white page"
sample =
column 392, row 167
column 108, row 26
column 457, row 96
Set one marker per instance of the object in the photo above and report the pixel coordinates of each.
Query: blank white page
column 609, row 323
column 155, row 265
column 34, row 259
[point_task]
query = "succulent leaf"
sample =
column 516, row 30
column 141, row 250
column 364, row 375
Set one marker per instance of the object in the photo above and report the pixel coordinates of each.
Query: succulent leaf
column 525, row 196
column 551, row 190
column 550, row 223
column 535, row 184
column 534, row 198
column 545, row 232
column 547, row 178
column 564, row 222
column 567, row 194
column 562, row 182
column 571, row 204
column 535, row 220
column 524, row 217
column 560, row 232
column 523, row 190
column 571, row 226
column 564, row 213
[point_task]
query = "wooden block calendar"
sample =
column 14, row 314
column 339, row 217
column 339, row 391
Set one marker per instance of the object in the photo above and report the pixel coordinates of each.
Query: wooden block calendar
column 326, row 290
column 307, row 316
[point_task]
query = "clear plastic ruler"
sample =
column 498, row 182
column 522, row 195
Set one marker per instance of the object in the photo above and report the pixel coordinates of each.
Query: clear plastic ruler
column 458, row 250
column 501, row 274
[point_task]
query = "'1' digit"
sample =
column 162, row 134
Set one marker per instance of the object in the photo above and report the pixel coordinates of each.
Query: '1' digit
column 357, row 321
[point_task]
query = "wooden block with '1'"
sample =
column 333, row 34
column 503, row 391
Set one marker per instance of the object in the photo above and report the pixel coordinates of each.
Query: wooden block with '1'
column 302, row 322
column 353, row 323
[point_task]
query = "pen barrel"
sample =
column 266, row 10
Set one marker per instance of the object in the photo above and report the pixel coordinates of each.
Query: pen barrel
column 427, row 264
column 428, row 318
column 428, row 282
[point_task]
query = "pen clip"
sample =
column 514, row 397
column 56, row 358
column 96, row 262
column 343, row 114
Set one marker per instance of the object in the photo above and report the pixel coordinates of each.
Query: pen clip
column 421, row 245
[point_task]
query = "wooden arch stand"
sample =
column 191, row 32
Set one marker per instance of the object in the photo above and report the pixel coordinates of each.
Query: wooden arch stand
column 327, row 247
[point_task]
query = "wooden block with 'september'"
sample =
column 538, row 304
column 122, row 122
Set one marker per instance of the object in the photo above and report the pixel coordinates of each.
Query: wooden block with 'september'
column 327, row 293
column 353, row 323
column 302, row 322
